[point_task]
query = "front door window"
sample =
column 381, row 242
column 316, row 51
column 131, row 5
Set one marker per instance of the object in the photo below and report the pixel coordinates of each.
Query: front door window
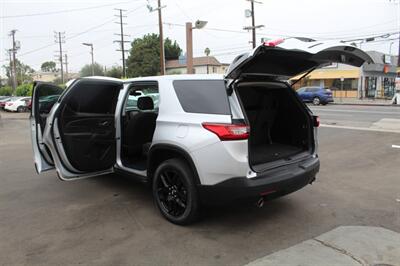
column 370, row 87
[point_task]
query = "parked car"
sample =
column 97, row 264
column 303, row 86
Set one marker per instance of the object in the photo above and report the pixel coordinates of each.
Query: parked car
column 29, row 104
column 315, row 95
column 17, row 104
column 3, row 102
column 209, row 138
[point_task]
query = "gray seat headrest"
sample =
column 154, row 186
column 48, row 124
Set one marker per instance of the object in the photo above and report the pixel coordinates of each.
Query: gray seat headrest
column 145, row 103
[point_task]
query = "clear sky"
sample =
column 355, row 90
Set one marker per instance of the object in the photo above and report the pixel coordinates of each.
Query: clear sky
column 224, row 34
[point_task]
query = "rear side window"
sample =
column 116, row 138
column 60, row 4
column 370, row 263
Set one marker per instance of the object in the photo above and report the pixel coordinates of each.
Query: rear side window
column 94, row 97
column 202, row 96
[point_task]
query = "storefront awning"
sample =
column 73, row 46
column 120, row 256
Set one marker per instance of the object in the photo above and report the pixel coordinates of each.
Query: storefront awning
column 332, row 74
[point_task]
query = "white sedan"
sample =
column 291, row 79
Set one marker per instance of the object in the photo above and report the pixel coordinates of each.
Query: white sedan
column 17, row 104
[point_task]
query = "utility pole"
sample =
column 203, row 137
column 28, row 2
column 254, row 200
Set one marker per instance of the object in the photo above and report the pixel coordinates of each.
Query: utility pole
column 60, row 39
column 199, row 24
column 161, row 35
column 160, row 28
column 189, row 47
column 9, row 51
column 91, row 53
column 398, row 26
column 122, row 41
column 66, row 66
column 14, row 62
column 253, row 26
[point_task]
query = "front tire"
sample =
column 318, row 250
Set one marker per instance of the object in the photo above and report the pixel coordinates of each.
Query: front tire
column 175, row 193
column 316, row 101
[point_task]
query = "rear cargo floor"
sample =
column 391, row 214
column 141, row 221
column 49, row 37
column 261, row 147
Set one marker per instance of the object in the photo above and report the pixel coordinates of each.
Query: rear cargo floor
column 271, row 152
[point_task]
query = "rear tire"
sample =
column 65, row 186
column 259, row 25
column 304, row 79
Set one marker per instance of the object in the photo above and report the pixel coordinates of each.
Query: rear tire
column 20, row 109
column 316, row 101
column 175, row 193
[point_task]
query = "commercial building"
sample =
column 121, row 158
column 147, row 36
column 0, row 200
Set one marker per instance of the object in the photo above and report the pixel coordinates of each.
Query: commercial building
column 374, row 80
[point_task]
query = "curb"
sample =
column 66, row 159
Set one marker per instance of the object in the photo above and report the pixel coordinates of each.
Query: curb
column 368, row 104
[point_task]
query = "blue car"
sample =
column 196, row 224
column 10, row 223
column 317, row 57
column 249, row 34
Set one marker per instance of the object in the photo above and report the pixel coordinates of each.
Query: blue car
column 315, row 95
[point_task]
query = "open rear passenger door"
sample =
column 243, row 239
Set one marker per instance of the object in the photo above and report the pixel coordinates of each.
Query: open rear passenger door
column 80, row 128
column 44, row 96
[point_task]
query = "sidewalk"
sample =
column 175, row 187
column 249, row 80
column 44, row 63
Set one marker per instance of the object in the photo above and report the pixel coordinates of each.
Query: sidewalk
column 356, row 101
column 344, row 245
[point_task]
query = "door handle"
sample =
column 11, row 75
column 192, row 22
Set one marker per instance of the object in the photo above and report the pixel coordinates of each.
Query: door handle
column 104, row 123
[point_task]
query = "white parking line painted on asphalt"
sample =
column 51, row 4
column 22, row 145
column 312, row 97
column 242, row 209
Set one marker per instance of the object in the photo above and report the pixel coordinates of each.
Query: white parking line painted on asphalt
column 361, row 128
column 341, row 115
column 355, row 111
column 396, row 146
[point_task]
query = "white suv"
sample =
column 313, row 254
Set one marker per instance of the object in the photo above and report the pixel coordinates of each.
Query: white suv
column 193, row 138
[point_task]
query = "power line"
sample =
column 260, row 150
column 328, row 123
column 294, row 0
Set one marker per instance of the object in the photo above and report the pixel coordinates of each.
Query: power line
column 65, row 10
column 90, row 29
column 344, row 31
column 37, row 49
column 77, row 34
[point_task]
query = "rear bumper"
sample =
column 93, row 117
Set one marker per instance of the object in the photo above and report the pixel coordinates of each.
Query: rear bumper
column 270, row 184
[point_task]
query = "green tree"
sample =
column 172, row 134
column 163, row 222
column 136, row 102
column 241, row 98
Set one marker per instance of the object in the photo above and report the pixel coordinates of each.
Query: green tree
column 115, row 72
column 23, row 72
column 144, row 55
column 24, row 90
column 172, row 49
column 48, row 66
column 6, row 91
column 87, row 70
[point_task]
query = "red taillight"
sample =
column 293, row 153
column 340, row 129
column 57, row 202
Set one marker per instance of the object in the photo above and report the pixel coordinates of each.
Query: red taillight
column 273, row 43
column 316, row 121
column 10, row 103
column 228, row 131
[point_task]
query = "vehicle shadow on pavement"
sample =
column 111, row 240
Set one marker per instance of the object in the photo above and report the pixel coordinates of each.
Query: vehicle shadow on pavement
column 238, row 214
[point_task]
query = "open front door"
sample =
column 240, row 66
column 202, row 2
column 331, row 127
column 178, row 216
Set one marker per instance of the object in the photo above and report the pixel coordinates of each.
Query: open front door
column 44, row 96
column 80, row 131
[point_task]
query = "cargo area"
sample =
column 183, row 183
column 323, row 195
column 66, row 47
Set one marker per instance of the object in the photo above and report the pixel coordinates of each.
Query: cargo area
column 280, row 127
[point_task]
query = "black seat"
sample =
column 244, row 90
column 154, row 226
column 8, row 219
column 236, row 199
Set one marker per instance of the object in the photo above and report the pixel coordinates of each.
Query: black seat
column 140, row 128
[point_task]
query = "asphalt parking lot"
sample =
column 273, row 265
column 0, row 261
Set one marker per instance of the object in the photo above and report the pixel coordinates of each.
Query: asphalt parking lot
column 112, row 219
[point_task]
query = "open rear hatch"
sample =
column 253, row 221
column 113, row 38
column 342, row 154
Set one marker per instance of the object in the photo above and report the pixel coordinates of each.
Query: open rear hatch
column 281, row 128
column 281, row 61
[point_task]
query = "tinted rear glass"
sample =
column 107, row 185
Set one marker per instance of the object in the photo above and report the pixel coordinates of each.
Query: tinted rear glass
column 202, row 96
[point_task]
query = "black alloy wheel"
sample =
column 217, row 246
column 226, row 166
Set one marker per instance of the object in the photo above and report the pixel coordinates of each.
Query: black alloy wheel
column 175, row 193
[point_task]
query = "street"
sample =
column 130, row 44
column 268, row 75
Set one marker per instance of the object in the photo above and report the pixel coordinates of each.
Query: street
column 355, row 116
column 112, row 220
